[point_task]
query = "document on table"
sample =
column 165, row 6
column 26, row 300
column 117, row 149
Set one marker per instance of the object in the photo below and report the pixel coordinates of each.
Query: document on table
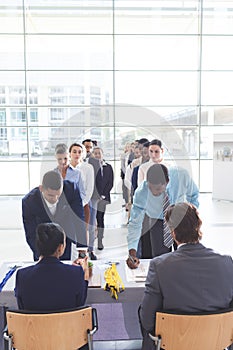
column 139, row 274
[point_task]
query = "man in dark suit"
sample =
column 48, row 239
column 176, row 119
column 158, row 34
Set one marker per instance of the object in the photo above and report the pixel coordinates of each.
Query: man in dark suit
column 88, row 144
column 104, row 184
column 191, row 279
column 55, row 201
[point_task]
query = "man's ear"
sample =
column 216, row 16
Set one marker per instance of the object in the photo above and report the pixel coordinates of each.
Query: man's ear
column 40, row 188
column 173, row 234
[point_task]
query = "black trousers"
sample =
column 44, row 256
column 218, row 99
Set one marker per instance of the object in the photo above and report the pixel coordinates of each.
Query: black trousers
column 101, row 208
column 151, row 241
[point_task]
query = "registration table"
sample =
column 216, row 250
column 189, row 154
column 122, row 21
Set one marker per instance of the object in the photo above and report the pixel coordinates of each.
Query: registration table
column 118, row 319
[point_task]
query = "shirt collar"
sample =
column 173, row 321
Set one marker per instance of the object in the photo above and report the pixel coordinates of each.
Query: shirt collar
column 74, row 167
column 49, row 205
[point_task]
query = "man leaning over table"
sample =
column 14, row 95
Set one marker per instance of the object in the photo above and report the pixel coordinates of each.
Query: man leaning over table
column 149, row 200
column 55, row 200
column 191, row 279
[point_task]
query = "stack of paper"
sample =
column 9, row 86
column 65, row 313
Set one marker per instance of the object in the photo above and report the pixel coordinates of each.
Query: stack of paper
column 137, row 275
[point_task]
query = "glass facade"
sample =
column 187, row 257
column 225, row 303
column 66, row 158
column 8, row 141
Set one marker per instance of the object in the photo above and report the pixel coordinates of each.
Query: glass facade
column 113, row 71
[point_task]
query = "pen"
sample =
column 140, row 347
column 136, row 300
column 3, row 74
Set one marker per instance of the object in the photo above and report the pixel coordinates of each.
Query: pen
column 131, row 259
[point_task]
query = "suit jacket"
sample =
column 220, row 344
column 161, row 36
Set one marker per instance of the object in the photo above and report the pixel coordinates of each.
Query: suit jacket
column 135, row 178
column 104, row 183
column 50, row 285
column 69, row 214
column 191, row 279
column 96, row 166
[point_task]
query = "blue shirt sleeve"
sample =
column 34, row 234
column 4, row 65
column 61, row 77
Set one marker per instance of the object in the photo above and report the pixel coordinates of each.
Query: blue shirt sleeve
column 181, row 187
column 137, row 215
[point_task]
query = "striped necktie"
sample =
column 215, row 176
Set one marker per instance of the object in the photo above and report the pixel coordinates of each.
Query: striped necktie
column 167, row 237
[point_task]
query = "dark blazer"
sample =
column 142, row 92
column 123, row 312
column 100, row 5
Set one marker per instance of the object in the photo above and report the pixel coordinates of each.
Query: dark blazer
column 104, row 183
column 69, row 214
column 191, row 279
column 134, row 179
column 96, row 166
column 50, row 285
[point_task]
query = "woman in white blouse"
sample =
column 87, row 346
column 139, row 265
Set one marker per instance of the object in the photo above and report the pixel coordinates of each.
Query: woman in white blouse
column 77, row 154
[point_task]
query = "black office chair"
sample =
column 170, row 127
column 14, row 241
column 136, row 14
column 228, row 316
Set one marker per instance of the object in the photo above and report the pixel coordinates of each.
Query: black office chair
column 63, row 330
column 208, row 331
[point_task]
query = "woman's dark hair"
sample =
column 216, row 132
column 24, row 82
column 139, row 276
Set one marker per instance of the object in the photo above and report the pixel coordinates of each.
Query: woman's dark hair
column 48, row 237
column 156, row 142
column 75, row 145
column 157, row 174
column 183, row 218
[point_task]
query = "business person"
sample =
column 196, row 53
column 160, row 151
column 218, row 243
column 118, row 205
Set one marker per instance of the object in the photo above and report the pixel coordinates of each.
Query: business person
column 104, row 184
column 149, row 200
column 191, row 279
column 56, row 201
column 181, row 186
column 50, row 285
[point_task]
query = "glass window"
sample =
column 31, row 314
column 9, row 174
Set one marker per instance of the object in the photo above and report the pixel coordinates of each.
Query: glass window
column 95, row 16
column 8, row 183
column 57, row 114
column 70, row 52
column 33, row 115
column 11, row 51
column 147, row 116
column 217, row 59
column 11, row 17
column 156, row 17
column 17, row 116
column 156, row 88
column 156, row 52
column 217, row 88
column 217, row 17
column 2, row 117
column 45, row 81
column 114, row 71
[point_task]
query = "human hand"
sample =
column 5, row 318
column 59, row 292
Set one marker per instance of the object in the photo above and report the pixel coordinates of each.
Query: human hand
column 132, row 260
column 84, row 263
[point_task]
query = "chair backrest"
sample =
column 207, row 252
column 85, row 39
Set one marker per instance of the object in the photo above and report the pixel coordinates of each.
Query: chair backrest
column 194, row 332
column 48, row 331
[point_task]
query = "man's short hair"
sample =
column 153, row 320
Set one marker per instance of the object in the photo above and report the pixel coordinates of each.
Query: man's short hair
column 183, row 218
column 52, row 180
column 87, row 140
column 157, row 174
column 142, row 141
column 61, row 148
column 146, row 144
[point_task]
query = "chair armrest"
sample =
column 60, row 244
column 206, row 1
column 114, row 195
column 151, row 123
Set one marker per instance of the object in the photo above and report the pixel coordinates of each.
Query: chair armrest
column 8, row 343
column 157, row 340
column 94, row 322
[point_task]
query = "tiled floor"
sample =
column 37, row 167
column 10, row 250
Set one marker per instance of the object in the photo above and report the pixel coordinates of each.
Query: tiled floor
column 217, row 231
column 217, row 228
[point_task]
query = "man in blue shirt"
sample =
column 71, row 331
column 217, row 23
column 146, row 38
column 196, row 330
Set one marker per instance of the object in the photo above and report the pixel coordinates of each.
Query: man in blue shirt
column 149, row 200
column 179, row 186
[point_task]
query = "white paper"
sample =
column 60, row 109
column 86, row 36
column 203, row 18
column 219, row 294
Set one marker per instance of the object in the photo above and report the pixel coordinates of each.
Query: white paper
column 139, row 274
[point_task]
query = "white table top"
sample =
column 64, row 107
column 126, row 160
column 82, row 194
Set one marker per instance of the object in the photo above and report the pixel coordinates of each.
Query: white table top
column 130, row 278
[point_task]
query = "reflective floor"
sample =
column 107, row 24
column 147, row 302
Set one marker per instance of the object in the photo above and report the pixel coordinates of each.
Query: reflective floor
column 217, row 228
